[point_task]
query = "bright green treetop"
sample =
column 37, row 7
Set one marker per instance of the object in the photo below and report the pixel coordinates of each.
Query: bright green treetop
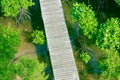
column 109, row 34
column 30, row 69
column 110, row 66
column 12, row 7
column 85, row 57
column 85, row 17
column 38, row 37
column 9, row 41
column 118, row 2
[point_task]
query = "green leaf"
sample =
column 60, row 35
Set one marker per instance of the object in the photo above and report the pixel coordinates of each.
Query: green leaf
column 38, row 37
column 85, row 17
column 85, row 57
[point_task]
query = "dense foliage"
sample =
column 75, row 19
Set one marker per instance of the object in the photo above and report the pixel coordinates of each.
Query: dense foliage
column 110, row 66
column 6, row 71
column 30, row 69
column 109, row 33
column 107, row 38
column 118, row 2
column 25, row 68
column 13, row 7
column 106, row 32
column 38, row 37
column 85, row 57
column 85, row 17
column 9, row 41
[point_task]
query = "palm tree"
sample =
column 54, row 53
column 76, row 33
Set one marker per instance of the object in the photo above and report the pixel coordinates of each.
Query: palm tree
column 22, row 16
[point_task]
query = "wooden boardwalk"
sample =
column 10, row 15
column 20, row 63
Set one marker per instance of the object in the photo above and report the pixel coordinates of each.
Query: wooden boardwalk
column 61, row 54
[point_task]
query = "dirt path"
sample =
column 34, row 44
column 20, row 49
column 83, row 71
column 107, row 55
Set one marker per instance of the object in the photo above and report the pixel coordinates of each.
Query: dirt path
column 26, row 48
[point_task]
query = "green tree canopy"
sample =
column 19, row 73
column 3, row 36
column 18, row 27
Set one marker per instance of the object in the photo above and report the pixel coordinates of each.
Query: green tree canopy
column 30, row 69
column 110, row 66
column 109, row 34
column 85, row 57
column 12, row 7
column 85, row 17
column 118, row 2
column 38, row 37
column 9, row 41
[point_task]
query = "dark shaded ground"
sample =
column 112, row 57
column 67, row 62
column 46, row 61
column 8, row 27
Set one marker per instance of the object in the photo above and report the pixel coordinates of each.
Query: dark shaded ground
column 41, row 50
column 43, row 55
column 36, row 18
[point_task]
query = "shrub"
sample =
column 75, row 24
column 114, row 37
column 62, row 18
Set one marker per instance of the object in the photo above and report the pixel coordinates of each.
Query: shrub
column 85, row 17
column 118, row 2
column 85, row 57
column 6, row 71
column 9, row 41
column 108, row 35
column 12, row 7
column 110, row 65
column 30, row 69
column 38, row 37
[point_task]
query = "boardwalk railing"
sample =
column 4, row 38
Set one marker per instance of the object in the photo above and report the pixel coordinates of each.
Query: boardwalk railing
column 61, row 54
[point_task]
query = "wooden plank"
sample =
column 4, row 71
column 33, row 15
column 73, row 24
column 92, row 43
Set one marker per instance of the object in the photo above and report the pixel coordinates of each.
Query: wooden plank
column 61, row 54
